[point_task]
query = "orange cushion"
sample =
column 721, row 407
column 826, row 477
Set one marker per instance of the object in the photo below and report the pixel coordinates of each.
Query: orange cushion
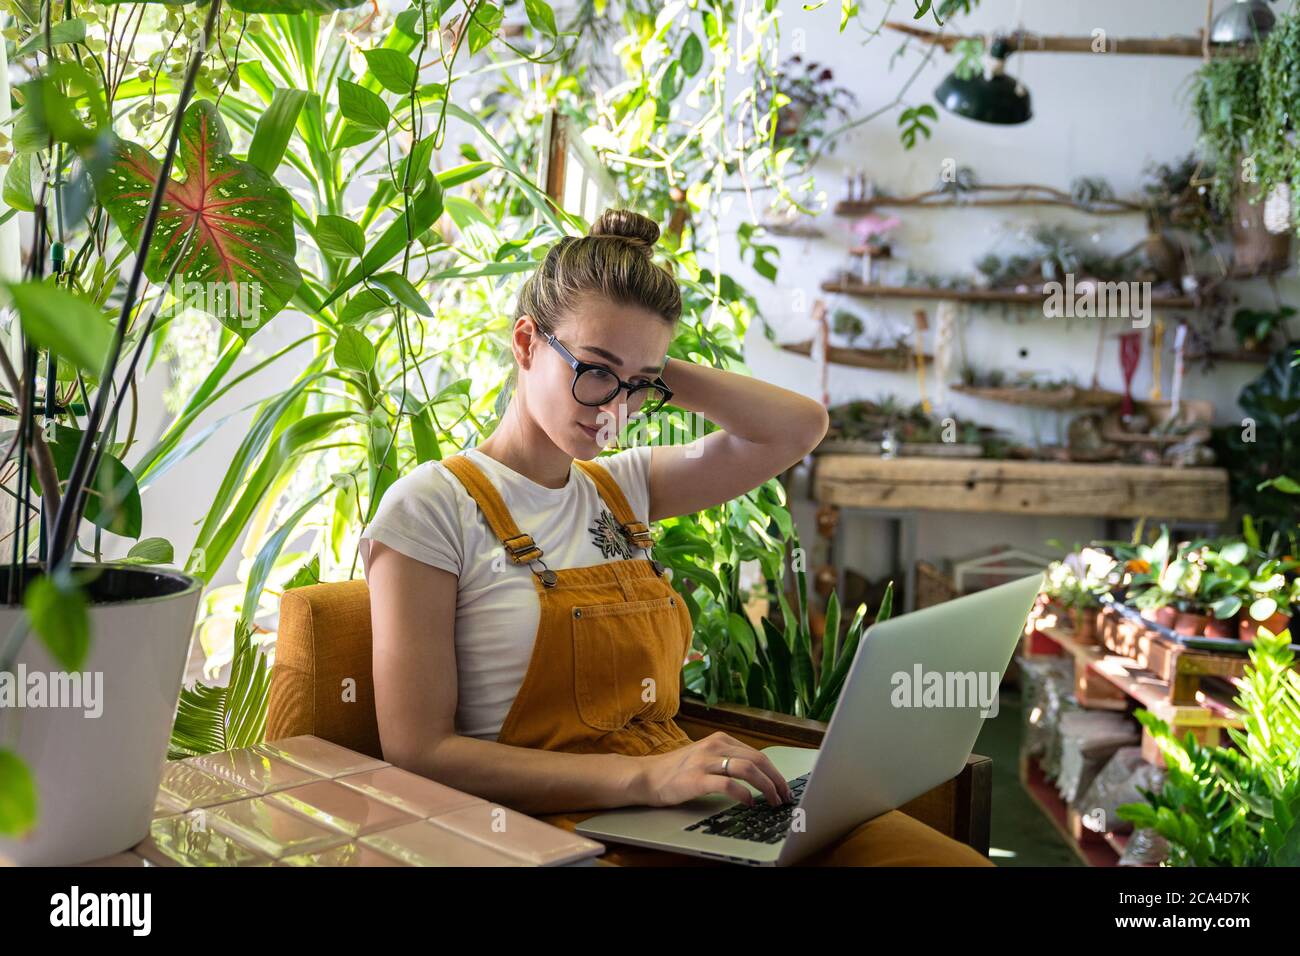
column 321, row 682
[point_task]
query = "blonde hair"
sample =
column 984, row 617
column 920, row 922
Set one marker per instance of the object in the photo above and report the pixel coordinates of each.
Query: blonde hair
column 614, row 261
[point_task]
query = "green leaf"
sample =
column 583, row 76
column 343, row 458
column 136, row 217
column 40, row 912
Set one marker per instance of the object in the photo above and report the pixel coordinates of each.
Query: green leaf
column 1261, row 609
column 541, row 16
column 692, row 57
column 58, row 615
column 670, row 87
column 18, row 811
column 394, row 69
column 484, row 23
column 1282, row 483
column 339, row 236
column 212, row 719
column 423, row 211
column 152, row 551
column 275, row 129
column 266, row 558
column 65, row 31
column 362, row 107
column 112, row 498
column 18, row 184
column 353, row 350
column 403, row 291
column 64, row 323
column 244, row 219
column 362, row 305
column 306, row 575
column 66, row 103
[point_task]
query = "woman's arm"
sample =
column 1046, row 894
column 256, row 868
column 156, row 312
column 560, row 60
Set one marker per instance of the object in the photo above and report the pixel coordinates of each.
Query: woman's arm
column 413, row 613
column 764, row 429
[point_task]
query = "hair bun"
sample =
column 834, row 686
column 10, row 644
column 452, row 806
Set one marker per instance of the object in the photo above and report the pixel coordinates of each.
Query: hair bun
column 633, row 227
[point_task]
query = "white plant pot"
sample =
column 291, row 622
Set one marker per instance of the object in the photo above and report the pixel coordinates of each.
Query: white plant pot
column 97, row 776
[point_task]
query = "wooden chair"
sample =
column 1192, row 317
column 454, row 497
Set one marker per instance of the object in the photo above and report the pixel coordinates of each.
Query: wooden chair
column 322, row 684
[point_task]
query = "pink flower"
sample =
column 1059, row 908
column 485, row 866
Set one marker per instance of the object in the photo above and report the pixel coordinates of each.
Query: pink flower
column 872, row 226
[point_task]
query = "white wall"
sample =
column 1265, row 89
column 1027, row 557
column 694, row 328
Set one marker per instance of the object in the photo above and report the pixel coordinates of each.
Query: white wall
column 1094, row 115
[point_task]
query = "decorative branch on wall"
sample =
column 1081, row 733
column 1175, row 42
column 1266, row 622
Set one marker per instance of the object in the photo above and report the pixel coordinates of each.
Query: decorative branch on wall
column 1022, row 41
column 892, row 360
column 1064, row 397
column 1023, row 194
column 994, row 296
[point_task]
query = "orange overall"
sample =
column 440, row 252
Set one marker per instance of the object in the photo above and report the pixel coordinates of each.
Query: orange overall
column 605, row 670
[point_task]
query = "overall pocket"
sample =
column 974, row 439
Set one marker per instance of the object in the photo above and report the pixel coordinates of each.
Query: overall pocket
column 626, row 661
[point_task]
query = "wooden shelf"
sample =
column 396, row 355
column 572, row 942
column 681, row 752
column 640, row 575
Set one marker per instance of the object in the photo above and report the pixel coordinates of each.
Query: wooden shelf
column 993, row 486
column 1069, row 398
column 1098, row 852
column 991, row 296
column 1013, row 197
column 886, row 359
column 1141, row 685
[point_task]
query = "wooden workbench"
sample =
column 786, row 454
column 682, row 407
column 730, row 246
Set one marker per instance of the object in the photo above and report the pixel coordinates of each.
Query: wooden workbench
column 900, row 488
column 992, row 486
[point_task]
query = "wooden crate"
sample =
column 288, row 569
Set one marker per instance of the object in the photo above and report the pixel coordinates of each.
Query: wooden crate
column 1182, row 668
column 932, row 586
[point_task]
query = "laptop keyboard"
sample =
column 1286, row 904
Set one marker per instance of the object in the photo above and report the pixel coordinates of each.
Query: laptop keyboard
column 761, row 823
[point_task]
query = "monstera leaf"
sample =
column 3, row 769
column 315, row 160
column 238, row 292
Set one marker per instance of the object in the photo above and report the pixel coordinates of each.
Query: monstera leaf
column 244, row 231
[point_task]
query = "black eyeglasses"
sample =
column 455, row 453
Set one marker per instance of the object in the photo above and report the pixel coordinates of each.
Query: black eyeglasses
column 595, row 384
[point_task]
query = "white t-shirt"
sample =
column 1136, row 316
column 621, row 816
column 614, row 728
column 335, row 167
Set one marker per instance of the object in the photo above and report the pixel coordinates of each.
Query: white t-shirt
column 429, row 515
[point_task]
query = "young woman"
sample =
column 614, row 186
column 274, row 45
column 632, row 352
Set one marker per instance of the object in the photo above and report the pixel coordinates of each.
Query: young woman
column 526, row 647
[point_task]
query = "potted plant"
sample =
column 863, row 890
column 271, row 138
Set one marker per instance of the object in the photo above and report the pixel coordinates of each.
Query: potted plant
column 112, row 637
column 1271, row 596
column 1182, row 580
column 1076, row 583
column 1145, row 571
column 1222, row 586
column 807, row 101
column 1256, row 328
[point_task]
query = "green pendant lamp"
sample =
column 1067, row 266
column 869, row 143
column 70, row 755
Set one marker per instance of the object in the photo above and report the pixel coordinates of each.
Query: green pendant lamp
column 991, row 98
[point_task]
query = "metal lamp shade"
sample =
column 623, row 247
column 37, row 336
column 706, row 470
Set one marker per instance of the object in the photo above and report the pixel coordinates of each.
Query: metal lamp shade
column 992, row 99
column 1242, row 22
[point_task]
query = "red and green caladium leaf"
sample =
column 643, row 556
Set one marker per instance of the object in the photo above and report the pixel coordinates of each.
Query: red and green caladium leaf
column 245, row 223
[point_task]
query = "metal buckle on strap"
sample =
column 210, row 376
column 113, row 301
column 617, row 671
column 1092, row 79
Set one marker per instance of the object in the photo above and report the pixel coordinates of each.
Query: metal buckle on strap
column 525, row 546
column 638, row 534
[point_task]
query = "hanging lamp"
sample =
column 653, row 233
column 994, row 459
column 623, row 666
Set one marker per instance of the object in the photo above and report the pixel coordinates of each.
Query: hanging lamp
column 991, row 97
column 1242, row 23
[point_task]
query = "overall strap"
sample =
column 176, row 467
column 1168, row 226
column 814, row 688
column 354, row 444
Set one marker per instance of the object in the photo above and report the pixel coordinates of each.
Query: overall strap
column 637, row 532
column 521, row 547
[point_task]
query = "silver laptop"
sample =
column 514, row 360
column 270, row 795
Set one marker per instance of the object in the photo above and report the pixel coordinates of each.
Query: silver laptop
column 915, row 698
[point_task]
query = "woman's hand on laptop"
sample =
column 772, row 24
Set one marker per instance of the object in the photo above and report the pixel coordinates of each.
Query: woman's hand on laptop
column 695, row 770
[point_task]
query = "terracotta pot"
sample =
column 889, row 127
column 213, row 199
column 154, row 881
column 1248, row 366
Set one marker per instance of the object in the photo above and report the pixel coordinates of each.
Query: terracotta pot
column 1085, row 625
column 1249, row 626
column 1221, row 627
column 1190, row 623
column 1166, row 615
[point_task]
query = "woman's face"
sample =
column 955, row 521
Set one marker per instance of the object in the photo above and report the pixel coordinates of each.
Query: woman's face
column 628, row 340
